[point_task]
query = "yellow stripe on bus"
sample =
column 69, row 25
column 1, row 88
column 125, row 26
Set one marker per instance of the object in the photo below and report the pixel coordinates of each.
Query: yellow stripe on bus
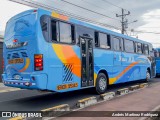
column 26, row 66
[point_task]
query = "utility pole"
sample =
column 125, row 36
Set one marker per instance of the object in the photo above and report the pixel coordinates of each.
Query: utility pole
column 123, row 17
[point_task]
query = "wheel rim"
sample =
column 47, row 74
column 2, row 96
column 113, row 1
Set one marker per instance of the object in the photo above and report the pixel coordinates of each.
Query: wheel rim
column 102, row 83
column 148, row 75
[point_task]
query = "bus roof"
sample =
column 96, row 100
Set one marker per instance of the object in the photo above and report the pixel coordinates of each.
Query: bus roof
column 75, row 21
column 105, row 30
column 78, row 22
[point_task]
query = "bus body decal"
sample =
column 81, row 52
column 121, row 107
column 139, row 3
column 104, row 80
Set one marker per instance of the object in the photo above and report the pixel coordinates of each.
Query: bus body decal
column 59, row 16
column 113, row 80
column 67, row 55
column 125, row 70
column 26, row 66
column 95, row 77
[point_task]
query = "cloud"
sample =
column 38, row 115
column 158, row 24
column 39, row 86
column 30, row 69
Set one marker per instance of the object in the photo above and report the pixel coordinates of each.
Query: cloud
column 141, row 10
column 9, row 9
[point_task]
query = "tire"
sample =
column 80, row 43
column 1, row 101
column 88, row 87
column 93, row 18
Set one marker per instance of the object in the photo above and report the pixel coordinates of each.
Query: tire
column 148, row 76
column 101, row 83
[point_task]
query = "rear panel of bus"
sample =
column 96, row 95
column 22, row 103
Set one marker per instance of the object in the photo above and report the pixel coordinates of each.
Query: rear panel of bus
column 23, row 61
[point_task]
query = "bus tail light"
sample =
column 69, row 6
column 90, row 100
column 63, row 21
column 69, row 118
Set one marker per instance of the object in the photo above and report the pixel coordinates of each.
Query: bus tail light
column 38, row 62
column 15, row 40
column 34, row 11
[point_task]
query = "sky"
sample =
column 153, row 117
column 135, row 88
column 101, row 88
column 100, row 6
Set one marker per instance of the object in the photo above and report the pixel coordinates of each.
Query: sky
column 147, row 14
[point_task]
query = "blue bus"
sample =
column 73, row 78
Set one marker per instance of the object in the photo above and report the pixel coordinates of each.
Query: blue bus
column 48, row 51
column 157, row 57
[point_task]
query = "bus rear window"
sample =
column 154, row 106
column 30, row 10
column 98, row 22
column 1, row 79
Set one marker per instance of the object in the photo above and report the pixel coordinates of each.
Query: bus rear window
column 24, row 25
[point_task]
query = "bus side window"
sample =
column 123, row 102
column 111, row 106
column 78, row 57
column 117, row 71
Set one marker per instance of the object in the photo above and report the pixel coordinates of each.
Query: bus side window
column 122, row 44
column 104, row 41
column 66, row 32
column 146, row 50
column 109, row 41
column 44, row 26
column 129, row 46
column 96, row 39
column 139, row 48
column 54, row 30
column 73, row 34
column 116, row 44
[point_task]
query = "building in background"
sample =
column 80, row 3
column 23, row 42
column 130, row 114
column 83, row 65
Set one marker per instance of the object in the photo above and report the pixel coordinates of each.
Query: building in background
column 1, row 55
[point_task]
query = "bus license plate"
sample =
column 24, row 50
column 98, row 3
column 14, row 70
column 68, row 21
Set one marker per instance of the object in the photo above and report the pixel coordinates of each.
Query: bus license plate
column 16, row 61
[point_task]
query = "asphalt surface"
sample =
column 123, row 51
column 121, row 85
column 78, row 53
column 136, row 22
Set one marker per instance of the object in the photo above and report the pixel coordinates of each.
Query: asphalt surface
column 27, row 100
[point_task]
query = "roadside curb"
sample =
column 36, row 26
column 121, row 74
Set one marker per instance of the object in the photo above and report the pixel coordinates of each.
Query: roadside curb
column 108, row 96
column 57, row 110
column 123, row 91
column 135, row 87
column 86, row 102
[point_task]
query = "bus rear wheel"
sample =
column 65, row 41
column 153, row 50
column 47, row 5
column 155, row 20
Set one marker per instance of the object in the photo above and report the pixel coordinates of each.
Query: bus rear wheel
column 101, row 83
column 148, row 76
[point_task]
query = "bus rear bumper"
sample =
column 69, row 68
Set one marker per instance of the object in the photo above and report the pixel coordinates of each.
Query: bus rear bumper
column 38, row 82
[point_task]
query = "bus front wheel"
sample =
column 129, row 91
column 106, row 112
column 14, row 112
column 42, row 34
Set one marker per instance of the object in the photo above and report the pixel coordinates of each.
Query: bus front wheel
column 101, row 83
column 148, row 76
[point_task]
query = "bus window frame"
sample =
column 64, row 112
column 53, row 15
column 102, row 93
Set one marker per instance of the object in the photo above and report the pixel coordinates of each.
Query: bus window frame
column 48, row 27
column 113, row 36
column 98, row 47
column 122, row 43
column 147, row 47
column 97, row 39
column 58, row 31
column 133, row 46
column 136, row 48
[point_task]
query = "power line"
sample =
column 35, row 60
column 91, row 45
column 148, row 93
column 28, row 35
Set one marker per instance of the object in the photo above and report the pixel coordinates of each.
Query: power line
column 155, row 43
column 146, row 32
column 114, row 5
column 151, row 15
column 93, row 4
column 89, row 10
column 149, row 27
column 37, row 5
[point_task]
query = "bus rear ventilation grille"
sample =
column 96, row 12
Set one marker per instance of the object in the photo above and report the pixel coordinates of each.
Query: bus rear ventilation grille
column 24, row 54
column 67, row 73
column 15, row 55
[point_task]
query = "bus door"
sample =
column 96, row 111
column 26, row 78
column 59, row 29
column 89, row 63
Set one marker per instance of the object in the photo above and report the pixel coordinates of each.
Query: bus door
column 117, row 56
column 117, row 51
column 87, row 76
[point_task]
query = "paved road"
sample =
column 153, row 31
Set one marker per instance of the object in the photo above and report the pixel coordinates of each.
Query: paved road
column 141, row 100
column 26, row 100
